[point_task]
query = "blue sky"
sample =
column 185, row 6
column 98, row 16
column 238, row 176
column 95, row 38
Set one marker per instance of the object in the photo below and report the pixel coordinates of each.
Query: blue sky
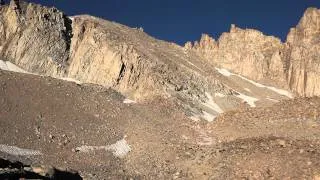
column 185, row 20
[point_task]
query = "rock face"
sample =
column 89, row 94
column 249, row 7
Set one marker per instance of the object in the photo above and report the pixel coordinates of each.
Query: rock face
column 30, row 32
column 248, row 52
column 91, row 50
column 44, row 41
column 132, row 62
column 303, row 54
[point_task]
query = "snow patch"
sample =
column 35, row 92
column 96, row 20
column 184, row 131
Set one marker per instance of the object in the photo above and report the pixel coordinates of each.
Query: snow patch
column 205, row 115
column 119, row 149
column 219, row 95
column 250, row 100
column 129, row 101
column 16, row 151
column 14, row 68
column 281, row 91
column 270, row 99
column 70, row 80
column 224, row 72
column 208, row 117
column 8, row 66
column 3, row 65
column 212, row 105
column 277, row 90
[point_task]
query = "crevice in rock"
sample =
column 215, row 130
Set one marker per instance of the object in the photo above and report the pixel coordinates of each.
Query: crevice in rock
column 68, row 34
column 121, row 73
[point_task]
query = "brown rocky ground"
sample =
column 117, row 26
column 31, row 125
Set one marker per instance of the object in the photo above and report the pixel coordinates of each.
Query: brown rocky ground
column 55, row 117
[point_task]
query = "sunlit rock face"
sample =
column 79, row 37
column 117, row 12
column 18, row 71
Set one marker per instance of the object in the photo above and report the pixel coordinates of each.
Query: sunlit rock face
column 302, row 51
column 87, row 49
column 244, row 51
column 293, row 64
column 35, row 37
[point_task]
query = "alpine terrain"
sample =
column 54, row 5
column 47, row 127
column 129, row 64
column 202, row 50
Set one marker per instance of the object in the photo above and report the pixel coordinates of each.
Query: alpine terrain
column 83, row 97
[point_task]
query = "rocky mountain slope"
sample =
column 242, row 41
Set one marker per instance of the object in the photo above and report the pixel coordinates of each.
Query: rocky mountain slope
column 138, row 107
column 292, row 64
column 93, row 130
column 86, row 49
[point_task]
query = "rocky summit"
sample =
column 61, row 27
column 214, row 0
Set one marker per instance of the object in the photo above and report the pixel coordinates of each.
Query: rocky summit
column 83, row 97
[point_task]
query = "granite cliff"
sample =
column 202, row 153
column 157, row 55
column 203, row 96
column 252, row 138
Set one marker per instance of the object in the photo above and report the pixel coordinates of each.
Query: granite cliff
column 293, row 64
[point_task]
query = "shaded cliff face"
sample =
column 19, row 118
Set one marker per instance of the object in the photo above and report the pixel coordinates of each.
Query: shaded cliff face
column 294, row 64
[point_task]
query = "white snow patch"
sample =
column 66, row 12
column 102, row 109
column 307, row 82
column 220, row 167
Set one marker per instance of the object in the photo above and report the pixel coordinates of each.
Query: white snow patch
column 281, row 91
column 14, row 68
column 8, row 66
column 205, row 115
column 219, row 95
column 129, row 101
column 212, row 105
column 195, row 66
column 208, row 117
column 277, row 90
column 13, row 150
column 3, row 65
column 250, row 100
column 119, row 149
column 70, row 80
column 224, row 72
column 270, row 99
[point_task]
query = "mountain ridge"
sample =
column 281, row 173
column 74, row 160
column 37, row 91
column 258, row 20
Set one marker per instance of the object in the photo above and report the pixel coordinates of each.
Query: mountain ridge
column 281, row 63
column 87, row 49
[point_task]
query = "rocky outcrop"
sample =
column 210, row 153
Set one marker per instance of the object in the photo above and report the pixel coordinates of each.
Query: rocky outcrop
column 35, row 37
column 303, row 54
column 207, row 46
column 18, row 170
column 244, row 51
column 294, row 64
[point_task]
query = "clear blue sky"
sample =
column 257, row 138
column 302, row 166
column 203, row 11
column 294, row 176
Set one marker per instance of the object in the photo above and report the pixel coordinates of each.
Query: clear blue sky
column 184, row 20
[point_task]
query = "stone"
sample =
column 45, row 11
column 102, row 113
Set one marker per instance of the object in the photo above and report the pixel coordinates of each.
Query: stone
column 281, row 142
